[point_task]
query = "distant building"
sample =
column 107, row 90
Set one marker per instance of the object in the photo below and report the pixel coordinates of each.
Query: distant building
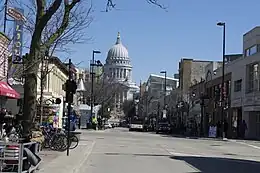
column 83, row 74
column 155, row 90
column 191, row 72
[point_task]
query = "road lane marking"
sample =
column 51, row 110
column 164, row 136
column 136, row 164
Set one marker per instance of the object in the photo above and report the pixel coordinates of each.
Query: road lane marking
column 244, row 143
column 185, row 154
column 85, row 158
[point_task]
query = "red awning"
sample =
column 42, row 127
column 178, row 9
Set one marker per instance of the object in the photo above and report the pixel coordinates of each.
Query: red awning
column 6, row 90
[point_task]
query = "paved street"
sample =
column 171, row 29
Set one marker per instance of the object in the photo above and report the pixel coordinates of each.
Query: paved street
column 118, row 150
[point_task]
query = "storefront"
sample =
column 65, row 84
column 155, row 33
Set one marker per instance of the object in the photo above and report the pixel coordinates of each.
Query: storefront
column 7, row 92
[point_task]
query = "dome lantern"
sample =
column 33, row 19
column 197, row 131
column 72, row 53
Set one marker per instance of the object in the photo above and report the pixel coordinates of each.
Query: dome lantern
column 118, row 40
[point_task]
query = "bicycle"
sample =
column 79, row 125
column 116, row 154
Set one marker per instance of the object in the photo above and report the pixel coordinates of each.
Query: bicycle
column 57, row 140
column 53, row 139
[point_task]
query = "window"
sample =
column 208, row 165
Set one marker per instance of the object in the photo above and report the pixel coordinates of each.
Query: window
column 247, row 52
column 253, row 50
column 238, row 85
column 253, row 77
column 124, row 73
column 117, row 72
column 250, row 51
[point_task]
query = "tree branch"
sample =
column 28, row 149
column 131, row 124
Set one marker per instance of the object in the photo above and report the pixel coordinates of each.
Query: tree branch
column 45, row 17
column 65, row 22
column 155, row 2
column 111, row 5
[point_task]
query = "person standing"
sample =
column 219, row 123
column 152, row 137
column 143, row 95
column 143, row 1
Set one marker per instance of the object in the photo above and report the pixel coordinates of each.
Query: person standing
column 243, row 129
column 225, row 128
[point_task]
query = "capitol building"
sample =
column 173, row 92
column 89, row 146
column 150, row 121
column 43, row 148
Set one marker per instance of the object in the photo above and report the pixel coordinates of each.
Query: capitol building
column 118, row 68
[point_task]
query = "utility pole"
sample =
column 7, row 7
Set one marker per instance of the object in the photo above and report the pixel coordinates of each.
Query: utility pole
column 5, row 14
column 92, row 64
column 70, row 96
column 70, row 87
column 165, row 75
column 165, row 80
column 223, row 25
column 43, row 76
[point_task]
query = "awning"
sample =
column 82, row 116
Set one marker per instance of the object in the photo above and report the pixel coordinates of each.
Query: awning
column 6, row 90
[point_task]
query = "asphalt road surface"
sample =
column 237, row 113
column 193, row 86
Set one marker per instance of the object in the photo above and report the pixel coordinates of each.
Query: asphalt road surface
column 120, row 151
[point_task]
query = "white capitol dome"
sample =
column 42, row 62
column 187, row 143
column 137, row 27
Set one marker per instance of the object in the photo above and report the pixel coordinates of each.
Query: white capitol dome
column 118, row 54
column 118, row 51
column 118, row 64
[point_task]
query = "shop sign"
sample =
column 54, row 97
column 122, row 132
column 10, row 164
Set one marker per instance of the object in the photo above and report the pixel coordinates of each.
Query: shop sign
column 17, row 40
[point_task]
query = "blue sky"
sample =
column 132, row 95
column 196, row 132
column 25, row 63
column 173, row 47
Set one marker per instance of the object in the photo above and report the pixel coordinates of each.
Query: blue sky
column 157, row 40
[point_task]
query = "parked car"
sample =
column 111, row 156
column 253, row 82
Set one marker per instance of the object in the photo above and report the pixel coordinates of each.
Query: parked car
column 108, row 126
column 163, row 128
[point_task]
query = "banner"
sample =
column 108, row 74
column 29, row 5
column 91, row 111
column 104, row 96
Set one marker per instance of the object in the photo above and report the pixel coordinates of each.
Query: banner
column 18, row 40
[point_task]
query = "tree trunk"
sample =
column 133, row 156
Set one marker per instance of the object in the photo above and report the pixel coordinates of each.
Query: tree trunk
column 30, row 90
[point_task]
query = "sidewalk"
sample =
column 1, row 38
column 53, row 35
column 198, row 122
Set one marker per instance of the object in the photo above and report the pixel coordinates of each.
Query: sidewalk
column 69, row 164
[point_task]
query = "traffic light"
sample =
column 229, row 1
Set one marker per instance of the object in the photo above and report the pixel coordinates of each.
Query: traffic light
column 70, row 87
column 217, row 94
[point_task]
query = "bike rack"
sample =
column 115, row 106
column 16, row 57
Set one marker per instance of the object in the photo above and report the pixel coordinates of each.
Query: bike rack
column 13, row 154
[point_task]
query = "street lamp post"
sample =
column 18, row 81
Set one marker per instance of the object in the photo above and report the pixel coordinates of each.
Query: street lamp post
column 164, row 101
column 92, row 64
column 223, row 24
column 5, row 15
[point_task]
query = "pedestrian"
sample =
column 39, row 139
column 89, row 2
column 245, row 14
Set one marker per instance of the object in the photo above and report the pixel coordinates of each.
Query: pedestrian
column 225, row 128
column 243, row 129
column 218, row 129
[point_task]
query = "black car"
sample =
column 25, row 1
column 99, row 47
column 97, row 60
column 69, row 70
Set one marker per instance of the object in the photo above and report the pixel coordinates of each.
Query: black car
column 163, row 128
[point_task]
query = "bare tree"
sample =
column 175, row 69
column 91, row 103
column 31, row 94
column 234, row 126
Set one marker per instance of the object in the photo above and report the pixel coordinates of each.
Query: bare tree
column 53, row 25
column 111, row 4
column 104, row 90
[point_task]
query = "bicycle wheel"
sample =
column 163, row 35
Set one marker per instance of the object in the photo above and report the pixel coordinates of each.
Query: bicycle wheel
column 58, row 142
column 74, row 141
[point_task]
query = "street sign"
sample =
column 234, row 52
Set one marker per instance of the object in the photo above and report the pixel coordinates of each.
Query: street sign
column 16, row 14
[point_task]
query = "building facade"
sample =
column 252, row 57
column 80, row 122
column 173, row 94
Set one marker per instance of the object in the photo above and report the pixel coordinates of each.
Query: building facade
column 155, row 92
column 6, row 91
column 53, row 80
column 55, row 74
column 191, row 72
column 4, row 54
column 245, row 97
column 118, row 69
